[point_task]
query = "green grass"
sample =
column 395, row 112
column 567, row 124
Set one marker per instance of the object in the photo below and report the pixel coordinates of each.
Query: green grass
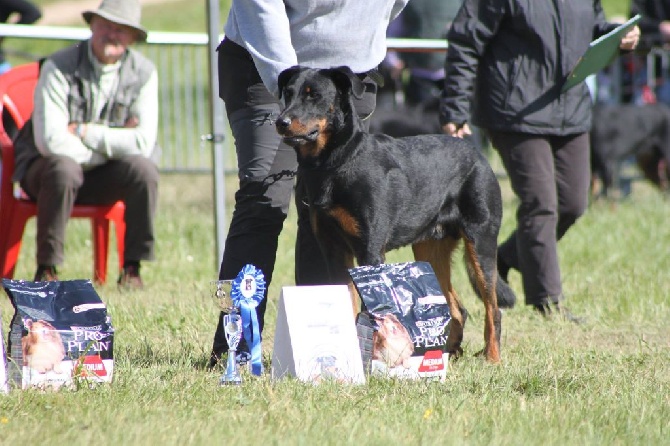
column 605, row 383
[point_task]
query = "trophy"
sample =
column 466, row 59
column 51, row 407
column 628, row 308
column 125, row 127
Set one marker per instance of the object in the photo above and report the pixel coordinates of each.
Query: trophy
column 238, row 300
column 232, row 327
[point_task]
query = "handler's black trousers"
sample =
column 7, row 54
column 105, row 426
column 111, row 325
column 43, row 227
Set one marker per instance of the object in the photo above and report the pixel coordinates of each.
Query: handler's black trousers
column 267, row 168
column 550, row 175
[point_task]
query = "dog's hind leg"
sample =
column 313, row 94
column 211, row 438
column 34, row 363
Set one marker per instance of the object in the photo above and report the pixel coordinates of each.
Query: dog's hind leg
column 438, row 254
column 480, row 259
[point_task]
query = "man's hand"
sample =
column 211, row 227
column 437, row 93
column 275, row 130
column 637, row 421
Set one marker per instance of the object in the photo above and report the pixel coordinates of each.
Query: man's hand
column 131, row 122
column 664, row 29
column 457, row 131
column 630, row 40
column 78, row 129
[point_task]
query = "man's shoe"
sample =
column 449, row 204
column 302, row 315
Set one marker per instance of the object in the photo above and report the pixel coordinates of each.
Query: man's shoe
column 130, row 278
column 46, row 273
column 557, row 311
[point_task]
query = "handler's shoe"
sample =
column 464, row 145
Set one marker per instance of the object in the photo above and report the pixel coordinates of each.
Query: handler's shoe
column 46, row 273
column 130, row 278
column 555, row 310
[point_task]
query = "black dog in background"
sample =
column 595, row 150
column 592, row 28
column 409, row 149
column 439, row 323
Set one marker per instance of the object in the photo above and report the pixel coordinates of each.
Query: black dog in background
column 404, row 120
column 624, row 131
column 413, row 120
column 371, row 193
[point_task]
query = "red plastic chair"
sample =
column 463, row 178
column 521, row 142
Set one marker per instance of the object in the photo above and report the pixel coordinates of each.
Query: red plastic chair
column 16, row 91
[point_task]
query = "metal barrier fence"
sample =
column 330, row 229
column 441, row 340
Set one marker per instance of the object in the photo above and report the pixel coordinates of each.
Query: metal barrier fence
column 185, row 133
column 181, row 60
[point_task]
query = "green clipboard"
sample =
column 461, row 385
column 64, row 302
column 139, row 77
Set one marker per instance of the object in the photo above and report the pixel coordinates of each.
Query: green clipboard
column 600, row 53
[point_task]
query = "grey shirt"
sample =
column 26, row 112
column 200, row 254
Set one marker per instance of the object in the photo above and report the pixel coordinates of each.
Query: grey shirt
column 315, row 33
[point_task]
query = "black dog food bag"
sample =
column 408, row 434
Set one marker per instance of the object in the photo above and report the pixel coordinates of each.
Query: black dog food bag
column 60, row 332
column 404, row 324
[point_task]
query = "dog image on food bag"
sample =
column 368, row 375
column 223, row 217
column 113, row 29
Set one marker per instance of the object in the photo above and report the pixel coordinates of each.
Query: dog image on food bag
column 391, row 343
column 43, row 349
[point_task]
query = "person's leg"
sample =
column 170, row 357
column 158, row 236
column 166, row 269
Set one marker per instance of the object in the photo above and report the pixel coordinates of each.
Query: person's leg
column 133, row 179
column 573, row 177
column 532, row 247
column 266, row 173
column 53, row 182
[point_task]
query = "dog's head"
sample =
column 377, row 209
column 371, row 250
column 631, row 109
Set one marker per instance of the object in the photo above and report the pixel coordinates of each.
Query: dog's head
column 42, row 346
column 392, row 343
column 318, row 106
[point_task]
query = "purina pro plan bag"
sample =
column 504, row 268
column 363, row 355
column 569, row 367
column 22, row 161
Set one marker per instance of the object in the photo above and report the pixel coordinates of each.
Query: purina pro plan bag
column 60, row 333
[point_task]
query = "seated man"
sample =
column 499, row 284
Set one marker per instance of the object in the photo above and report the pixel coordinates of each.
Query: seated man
column 92, row 137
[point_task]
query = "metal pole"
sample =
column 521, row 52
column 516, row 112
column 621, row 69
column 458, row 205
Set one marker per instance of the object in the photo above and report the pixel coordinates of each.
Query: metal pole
column 217, row 136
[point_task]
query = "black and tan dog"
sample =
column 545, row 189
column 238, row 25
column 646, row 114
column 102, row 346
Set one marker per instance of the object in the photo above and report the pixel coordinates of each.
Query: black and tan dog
column 623, row 131
column 369, row 194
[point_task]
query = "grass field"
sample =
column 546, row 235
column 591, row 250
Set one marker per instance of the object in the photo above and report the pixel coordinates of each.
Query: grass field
column 604, row 383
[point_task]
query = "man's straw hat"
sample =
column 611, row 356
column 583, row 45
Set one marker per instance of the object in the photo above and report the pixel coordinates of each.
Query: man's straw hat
column 122, row 12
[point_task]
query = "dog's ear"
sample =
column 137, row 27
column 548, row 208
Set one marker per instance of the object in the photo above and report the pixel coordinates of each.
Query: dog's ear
column 286, row 75
column 345, row 78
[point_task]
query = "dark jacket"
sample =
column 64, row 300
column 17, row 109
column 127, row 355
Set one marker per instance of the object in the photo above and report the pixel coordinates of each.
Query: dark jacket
column 511, row 58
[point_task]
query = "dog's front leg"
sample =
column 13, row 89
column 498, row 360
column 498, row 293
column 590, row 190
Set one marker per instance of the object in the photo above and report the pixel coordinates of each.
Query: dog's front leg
column 339, row 259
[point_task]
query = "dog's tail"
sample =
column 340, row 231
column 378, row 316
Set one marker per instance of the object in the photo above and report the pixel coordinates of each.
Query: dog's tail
column 506, row 297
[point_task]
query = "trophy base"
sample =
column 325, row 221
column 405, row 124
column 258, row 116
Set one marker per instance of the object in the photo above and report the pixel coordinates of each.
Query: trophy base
column 230, row 382
column 232, row 375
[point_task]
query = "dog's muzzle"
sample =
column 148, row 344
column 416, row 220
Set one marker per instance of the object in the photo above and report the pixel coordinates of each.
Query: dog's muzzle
column 283, row 125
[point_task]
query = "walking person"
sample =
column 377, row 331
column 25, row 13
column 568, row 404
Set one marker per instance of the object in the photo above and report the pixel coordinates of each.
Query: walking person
column 506, row 65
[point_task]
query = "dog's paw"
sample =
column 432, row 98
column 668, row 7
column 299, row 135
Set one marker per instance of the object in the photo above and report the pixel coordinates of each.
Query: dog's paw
column 455, row 353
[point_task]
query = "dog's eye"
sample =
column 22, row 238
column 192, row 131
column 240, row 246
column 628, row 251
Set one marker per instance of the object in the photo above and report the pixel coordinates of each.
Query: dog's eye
column 310, row 93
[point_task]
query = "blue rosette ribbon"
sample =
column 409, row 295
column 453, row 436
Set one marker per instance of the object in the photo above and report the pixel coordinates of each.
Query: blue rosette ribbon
column 247, row 292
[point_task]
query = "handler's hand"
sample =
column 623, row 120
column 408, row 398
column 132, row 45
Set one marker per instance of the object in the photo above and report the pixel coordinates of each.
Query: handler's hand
column 630, row 40
column 454, row 130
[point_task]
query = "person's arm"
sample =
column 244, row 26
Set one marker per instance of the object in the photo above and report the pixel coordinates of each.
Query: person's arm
column 51, row 119
column 655, row 30
column 138, row 137
column 648, row 23
column 264, row 28
column 602, row 26
column 27, row 11
column 398, row 6
column 476, row 23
